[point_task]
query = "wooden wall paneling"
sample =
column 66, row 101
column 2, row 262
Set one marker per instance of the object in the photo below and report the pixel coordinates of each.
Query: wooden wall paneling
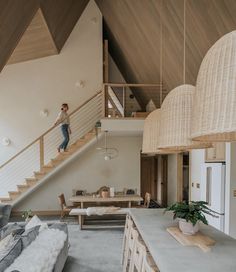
column 36, row 42
column 61, row 17
column 15, row 16
column 215, row 153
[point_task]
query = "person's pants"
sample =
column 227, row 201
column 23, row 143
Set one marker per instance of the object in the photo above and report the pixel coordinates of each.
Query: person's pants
column 65, row 133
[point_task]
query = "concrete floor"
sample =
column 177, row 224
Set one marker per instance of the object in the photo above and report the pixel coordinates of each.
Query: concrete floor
column 95, row 250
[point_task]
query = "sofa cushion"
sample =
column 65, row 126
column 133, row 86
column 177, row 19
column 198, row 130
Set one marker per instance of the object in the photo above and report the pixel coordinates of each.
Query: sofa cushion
column 29, row 236
column 13, row 229
column 10, row 254
column 5, row 211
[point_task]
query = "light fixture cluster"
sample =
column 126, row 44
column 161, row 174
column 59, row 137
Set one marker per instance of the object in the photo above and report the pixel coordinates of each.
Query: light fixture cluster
column 194, row 117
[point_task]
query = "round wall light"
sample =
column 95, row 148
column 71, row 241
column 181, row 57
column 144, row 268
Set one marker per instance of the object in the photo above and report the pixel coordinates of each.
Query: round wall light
column 44, row 113
column 6, row 141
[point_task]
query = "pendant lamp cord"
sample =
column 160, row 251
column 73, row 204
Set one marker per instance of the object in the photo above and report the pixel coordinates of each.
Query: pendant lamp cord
column 161, row 53
column 184, row 60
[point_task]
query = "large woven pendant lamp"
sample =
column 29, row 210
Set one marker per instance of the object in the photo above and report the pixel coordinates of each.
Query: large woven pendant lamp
column 176, row 112
column 175, row 128
column 214, row 110
column 151, row 133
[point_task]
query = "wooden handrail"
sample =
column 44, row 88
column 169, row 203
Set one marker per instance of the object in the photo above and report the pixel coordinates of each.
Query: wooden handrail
column 40, row 138
column 133, row 85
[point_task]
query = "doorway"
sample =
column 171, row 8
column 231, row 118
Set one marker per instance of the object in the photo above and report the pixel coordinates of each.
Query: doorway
column 148, row 176
column 154, row 177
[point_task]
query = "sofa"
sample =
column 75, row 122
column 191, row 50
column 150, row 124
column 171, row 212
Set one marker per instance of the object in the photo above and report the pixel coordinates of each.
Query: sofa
column 23, row 239
column 5, row 211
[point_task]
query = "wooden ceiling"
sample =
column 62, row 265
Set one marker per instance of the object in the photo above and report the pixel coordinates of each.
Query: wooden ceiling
column 133, row 30
column 36, row 42
column 35, row 28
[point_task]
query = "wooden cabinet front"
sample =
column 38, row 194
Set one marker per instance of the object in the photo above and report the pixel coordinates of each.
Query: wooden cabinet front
column 216, row 153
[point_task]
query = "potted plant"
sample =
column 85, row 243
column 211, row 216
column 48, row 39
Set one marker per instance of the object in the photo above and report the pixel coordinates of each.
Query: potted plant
column 27, row 215
column 190, row 214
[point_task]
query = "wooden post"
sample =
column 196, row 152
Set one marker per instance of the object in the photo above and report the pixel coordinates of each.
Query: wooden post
column 124, row 99
column 41, row 152
column 180, row 177
column 105, row 75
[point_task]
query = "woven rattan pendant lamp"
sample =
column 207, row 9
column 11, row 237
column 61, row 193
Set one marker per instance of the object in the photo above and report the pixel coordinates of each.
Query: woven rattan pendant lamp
column 151, row 133
column 214, row 110
column 176, row 112
column 175, row 127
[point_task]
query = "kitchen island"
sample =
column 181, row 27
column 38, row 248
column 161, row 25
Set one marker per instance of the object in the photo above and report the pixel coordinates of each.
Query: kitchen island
column 170, row 256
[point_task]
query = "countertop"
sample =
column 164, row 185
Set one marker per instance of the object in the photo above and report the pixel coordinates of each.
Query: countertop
column 171, row 256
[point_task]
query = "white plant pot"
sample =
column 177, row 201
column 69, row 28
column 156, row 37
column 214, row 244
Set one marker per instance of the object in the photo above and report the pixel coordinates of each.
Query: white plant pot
column 187, row 227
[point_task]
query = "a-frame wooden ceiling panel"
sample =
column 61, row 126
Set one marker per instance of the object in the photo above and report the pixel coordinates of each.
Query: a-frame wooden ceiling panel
column 206, row 21
column 36, row 42
column 133, row 31
column 61, row 17
column 15, row 16
column 26, row 35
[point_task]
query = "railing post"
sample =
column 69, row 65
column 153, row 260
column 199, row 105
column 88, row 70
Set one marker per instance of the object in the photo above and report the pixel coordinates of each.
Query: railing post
column 105, row 100
column 124, row 98
column 41, row 152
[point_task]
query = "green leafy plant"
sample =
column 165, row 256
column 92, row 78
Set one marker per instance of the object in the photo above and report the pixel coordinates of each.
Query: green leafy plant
column 27, row 214
column 191, row 211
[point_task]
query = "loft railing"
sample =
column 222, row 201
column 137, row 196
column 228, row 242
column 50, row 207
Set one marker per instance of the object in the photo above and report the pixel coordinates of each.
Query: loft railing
column 122, row 92
column 39, row 153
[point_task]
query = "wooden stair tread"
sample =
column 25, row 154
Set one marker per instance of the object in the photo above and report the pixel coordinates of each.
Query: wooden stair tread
column 31, row 181
column 199, row 239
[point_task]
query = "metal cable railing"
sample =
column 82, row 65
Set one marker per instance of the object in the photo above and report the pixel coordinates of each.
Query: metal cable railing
column 40, row 152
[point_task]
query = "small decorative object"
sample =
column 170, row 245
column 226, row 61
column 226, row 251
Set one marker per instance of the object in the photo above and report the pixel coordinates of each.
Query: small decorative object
column 105, row 193
column 112, row 192
column 190, row 214
column 6, row 141
column 27, row 215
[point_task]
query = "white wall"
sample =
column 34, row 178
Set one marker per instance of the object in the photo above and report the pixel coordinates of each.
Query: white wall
column 172, row 179
column 90, row 172
column 197, row 158
column 26, row 88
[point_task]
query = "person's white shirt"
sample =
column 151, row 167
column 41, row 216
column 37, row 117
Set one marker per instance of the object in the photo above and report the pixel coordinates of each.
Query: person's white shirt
column 63, row 118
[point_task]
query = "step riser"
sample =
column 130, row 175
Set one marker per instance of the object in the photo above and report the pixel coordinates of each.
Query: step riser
column 31, row 182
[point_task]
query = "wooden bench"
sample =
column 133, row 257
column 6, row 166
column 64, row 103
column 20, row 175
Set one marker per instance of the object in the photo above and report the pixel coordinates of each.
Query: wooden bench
column 82, row 212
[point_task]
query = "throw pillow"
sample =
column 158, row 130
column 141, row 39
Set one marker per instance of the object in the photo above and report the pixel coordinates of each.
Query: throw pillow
column 4, row 243
column 29, row 236
column 11, row 229
column 35, row 221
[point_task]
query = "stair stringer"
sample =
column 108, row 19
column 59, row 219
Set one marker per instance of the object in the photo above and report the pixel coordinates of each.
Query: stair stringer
column 63, row 164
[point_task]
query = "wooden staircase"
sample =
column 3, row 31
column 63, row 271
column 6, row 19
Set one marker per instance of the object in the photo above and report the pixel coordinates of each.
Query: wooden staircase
column 33, row 181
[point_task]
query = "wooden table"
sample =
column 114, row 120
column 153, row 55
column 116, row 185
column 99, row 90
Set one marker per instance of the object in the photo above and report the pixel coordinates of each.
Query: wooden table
column 90, row 199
